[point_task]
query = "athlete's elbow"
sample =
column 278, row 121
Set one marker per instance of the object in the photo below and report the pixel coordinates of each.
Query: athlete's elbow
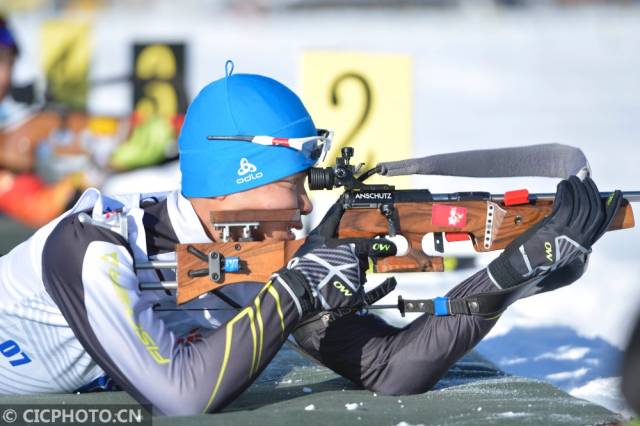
column 181, row 395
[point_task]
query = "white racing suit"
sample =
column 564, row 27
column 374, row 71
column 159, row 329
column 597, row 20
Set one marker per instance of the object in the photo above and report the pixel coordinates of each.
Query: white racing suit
column 72, row 316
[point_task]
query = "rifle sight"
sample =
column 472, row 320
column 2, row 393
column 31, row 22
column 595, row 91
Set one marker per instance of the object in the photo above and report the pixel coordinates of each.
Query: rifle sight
column 342, row 174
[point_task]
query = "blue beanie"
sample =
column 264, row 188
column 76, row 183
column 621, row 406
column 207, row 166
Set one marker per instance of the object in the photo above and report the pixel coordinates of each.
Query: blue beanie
column 241, row 105
column 6, row 38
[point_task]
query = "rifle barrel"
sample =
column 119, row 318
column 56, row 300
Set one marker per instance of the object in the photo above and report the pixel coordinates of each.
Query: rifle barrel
column 631, row 196
column 418, row 196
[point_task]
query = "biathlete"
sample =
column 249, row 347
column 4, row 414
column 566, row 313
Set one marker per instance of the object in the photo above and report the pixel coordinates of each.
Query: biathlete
column 24, row 196
column 74, row 319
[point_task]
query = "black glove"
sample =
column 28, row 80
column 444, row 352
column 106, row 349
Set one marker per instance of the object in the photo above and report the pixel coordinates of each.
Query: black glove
column 333, row 271
column 326, row 230
column 562, row 241
column 325, row 235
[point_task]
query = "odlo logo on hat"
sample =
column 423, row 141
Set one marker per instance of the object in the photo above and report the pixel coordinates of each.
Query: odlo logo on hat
column 248, row 169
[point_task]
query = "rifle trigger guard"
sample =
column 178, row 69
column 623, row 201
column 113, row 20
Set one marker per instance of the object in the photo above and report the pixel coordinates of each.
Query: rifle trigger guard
column 390, row 213
column 438, row 241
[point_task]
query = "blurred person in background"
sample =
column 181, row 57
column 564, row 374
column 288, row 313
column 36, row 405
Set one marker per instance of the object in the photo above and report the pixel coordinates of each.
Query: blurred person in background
column 8, row 54
column 75, row 318
column 25, row 197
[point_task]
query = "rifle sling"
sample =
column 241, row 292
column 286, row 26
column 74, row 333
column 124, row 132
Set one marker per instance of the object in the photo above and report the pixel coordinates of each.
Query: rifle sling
column 377, row 293
column 545, row 160
column 486, row 305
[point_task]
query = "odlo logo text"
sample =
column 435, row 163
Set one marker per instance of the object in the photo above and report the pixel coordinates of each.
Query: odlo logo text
column 344, row 290
column 248, row 169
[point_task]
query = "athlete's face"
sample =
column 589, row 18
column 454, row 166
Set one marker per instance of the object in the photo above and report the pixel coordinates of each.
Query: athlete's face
column 287, row 193
column 6, row 67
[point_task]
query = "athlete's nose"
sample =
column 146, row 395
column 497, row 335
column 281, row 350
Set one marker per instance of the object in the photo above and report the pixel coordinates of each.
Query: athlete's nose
column 305, row 204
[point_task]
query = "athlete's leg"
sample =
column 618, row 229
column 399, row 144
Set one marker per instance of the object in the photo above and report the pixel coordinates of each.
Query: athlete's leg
column 391, row 360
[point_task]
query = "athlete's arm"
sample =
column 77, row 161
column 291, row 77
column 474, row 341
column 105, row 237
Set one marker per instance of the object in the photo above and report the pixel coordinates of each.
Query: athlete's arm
column 89, row 273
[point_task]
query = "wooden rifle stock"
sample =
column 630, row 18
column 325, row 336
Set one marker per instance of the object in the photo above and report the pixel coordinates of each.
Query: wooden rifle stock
column 506, row 224
column 489, row 226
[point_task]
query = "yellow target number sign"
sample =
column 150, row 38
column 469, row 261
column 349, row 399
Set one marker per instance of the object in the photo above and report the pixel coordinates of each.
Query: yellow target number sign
column 158, row 80
column 365, row 98
column 65, row 55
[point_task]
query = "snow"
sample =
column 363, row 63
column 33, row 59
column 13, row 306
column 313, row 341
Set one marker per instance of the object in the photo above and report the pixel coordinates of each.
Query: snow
column 555, row 354
column 511, row 414
column 603, row 391
column 567, row 418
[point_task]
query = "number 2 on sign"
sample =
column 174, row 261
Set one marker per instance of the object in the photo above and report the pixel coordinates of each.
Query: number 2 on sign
column 10, row 349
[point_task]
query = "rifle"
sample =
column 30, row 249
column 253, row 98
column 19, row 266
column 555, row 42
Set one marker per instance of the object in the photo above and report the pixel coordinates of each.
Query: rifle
column 489, row 221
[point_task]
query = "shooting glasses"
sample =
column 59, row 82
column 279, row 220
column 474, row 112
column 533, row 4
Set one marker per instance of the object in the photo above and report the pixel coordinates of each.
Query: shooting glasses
column 313, row 147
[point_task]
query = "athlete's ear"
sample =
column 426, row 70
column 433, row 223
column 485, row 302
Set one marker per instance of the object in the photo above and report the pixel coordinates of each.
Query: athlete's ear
column 220, row 197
